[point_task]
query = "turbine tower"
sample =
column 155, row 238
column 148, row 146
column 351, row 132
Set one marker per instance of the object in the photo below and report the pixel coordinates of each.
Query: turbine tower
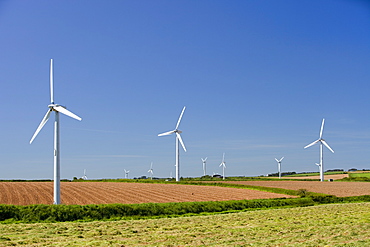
column 56, row 109
column 204, row 165
column 126, row 173
column 322, row 143
column 223, row 164
column 178, row 139
column 151, row 171
column 279, row 165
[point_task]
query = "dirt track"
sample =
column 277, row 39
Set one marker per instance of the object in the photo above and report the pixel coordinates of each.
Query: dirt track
column 26, row 193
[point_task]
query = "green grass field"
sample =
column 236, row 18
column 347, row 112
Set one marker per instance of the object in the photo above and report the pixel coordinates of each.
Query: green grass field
column 359, row 174
column 323, row 225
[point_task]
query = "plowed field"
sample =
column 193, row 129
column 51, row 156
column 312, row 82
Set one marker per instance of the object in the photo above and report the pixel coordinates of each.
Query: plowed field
column 334, row 177
column 26, row 193
column 331, row 188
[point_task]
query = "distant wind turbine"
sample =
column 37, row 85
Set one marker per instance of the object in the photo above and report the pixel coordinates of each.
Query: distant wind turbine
column 322, row 142
column 279, row 165
column 84, row 177
column 56, row 109
column 151, row 170
column 223, row 164
column 204, row 165
column 126, row 173
column 178, row 139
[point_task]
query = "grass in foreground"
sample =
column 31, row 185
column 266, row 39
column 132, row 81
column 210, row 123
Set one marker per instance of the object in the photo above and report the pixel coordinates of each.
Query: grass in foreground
column 334, row 224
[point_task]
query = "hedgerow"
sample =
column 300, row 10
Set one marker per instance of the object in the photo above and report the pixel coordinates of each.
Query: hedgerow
column 60, row 213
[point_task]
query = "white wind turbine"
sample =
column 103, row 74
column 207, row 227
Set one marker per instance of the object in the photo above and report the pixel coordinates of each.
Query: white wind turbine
column 126, row 173
column 178, row 139
column 84, row 177
column 151, row 170
column 223, row 164
column 279, row 165
column 56, row 109
column 322, row 142
column 204, row 166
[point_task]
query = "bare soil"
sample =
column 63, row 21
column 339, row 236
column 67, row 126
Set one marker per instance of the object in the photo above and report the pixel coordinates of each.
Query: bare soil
column 332, row 188
column 326, row 177
column 82, row 193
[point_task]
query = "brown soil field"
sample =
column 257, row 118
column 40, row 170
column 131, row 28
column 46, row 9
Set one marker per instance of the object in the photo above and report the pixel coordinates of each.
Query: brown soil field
column 331, row 188
column 82, row 193
column 326, row 177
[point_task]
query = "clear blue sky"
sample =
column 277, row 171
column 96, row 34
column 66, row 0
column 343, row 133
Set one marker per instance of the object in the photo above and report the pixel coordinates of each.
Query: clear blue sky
column 257, row 77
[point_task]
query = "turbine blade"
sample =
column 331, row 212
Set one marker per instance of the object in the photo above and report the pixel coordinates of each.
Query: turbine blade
column 43, row 122
column 327, row 145
column 167, row 133
column 322, row 127
column 281, row 158
column 178, row 122
column 223, row 157
column 205, row 158
column 311, row 144
column 63, row 110
column 180, row 139
column 277, row 160
column 51, row 82
column 318, row 164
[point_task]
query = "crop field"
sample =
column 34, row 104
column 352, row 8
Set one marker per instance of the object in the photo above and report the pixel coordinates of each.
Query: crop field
column 323, row 225
column 359, row 174
column 82, row 193
column 341, row 189
column 317, row 176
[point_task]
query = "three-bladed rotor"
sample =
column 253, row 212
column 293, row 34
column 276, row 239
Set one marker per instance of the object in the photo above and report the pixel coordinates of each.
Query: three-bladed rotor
column 176, row 130
column 223, row 163
column 321, row 139
column 53, row 107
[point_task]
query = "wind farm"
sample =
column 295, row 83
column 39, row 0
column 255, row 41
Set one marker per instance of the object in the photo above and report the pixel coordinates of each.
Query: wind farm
column 241, row 87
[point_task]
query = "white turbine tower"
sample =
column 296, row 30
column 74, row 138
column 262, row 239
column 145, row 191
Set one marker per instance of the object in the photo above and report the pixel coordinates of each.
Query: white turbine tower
column 279, row 165
column 204, row 166
column 56, row 109
column 322, row 142
column 84, row 177
column 178, row 139
column 126, row 173
column 223, row 164
column 151, row 170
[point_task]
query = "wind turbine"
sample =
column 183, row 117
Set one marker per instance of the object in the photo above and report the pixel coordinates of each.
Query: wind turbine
column 322, row 142
column 151, row 170
column 204, row 165
column 126, row 173
column 279, row 165
column 56, row 109
column 223, row 164
column 84, row 177
column 178, row 139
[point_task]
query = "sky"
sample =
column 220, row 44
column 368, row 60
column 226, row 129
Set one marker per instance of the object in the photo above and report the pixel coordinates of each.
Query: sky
column 256, row 77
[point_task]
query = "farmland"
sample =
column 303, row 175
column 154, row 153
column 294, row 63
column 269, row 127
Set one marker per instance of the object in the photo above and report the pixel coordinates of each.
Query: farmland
column 26, row 193
column 323, row 225
column 332, row 188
